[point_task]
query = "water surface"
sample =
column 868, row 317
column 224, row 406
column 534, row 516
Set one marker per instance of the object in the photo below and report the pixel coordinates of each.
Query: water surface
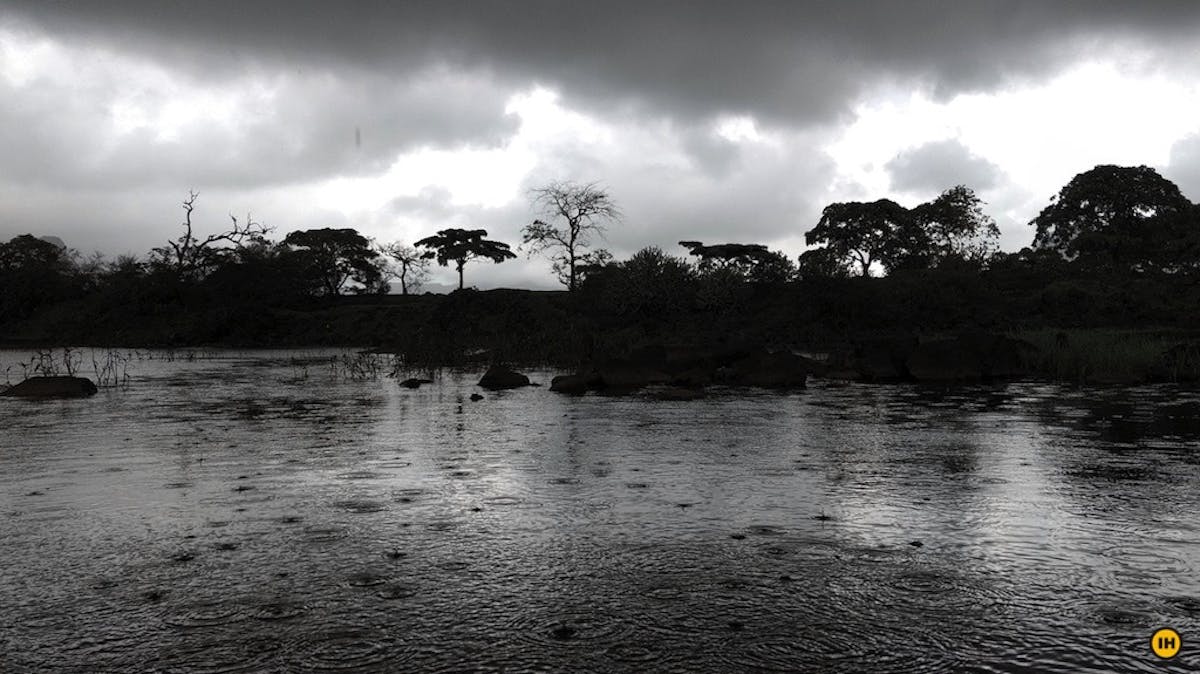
column 274, row 511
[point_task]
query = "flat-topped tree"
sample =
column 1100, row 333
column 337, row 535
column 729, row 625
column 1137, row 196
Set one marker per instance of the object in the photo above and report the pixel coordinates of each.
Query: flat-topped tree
column 748, row 261
column 460, row 246
column 859, row 233
column 334, row 257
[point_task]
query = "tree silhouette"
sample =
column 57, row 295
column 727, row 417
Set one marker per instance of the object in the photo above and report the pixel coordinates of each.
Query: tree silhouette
column 33, row 273
column 747, row 261
column 191, row 258
column 335, row 257
column 956, row 227
column 1116, row 215
column 864, row 233
column 461, row 246
column 584, row 210
column 952, row 226
column 411, row 267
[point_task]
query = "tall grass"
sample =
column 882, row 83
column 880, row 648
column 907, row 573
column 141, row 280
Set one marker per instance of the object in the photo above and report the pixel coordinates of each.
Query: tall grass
column 1110, row 356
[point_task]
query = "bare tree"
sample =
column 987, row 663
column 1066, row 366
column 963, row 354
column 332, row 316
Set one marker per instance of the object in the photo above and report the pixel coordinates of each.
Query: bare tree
column 191, row 257
column 583, row 211
column 410, row 268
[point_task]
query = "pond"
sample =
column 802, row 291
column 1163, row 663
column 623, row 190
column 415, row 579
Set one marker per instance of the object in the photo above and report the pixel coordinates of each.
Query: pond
column 297, row 511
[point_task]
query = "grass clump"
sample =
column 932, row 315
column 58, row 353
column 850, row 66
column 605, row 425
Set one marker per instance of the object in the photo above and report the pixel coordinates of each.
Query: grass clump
column 1113, row 356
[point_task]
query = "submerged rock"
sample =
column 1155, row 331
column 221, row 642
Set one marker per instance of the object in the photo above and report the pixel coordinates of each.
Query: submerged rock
column 571, row 383
column 945, row 360
column 678, row 393
column 626, row 375
column 970, row 357
column 765, row 369
column 415, row 382
column 52, row 387
column 497, row 378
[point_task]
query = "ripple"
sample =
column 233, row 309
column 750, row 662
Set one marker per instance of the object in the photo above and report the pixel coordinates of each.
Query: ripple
column 323, row 534
column 1185, row 605
column 396, row 591
column 586, row 630
column 503, row 500
column 634, row 654
column 223, row 656
column 408, row 495
column 279, row 610
column 361, row 475
column 1145, row 559
column 941, row 593
column 207, row 615
column 348, row 649
column 366, row 579
column 360, row 505
column 840, row 647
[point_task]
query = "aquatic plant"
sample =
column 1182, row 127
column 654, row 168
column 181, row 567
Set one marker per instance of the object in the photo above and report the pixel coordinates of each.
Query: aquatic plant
column 110, row 368
column 1108, row 356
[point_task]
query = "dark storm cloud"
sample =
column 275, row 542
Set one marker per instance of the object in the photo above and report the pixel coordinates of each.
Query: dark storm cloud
column 786, row 61
column 312, row 126
column 320, row 90
column 940, row 165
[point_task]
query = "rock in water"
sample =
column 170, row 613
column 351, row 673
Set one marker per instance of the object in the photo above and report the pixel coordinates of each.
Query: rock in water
column 570, row 383
column 53, row 387
column 415, row 382
column 501, row 378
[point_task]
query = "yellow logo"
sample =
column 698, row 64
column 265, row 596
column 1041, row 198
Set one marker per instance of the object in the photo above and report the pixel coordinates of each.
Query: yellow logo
column 1166, row 643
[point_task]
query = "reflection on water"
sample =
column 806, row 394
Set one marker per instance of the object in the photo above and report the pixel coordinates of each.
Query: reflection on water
column 253, row 512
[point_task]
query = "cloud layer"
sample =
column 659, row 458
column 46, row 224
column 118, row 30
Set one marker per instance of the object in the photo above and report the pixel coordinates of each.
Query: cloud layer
column 708, row 121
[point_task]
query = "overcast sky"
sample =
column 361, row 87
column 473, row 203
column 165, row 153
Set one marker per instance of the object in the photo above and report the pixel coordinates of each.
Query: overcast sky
column 717, row 121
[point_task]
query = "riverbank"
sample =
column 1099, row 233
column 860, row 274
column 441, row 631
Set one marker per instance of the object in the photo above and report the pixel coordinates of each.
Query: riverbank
column 851, row 320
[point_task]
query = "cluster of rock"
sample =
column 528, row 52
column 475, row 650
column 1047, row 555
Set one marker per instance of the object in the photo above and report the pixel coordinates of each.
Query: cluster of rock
column 965, row 358
column 52, row 387
column 681, row 373
column 674, row 372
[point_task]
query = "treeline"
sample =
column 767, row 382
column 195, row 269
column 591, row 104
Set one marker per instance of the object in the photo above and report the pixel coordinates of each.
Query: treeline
column 1118, row 246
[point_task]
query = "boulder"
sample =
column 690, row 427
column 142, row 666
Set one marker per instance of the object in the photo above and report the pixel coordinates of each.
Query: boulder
column 696, row 376
column 626, row 375
column 415, row 382
column 497, row 378
column 574, row 384
column 52, row 387
column 883, row 359
column 945, row 360
column 970, row 357
column 780, row 369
